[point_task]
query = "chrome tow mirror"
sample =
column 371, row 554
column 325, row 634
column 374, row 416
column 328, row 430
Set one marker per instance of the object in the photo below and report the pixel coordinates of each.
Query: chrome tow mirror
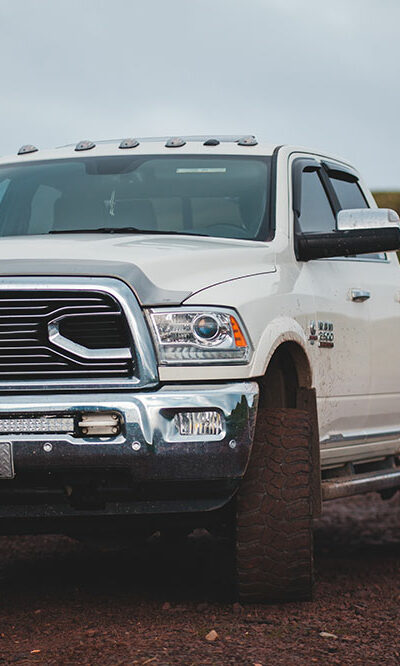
column 359, row 231
column 367, row 218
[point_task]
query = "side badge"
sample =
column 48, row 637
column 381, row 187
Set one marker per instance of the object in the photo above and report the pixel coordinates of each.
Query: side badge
column 322, row 332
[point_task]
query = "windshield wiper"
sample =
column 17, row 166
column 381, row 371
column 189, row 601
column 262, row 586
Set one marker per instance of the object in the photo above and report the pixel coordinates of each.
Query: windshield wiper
column 122, row 230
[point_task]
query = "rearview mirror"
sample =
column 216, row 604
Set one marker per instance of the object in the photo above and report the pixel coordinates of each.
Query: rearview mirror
column 359, row 231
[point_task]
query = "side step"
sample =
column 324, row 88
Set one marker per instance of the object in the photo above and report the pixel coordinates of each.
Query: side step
column 354, row 480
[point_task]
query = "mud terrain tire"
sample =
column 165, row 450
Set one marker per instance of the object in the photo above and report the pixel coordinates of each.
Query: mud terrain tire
column 274, row 544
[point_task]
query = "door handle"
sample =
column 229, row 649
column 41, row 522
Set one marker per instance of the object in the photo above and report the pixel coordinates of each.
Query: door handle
column 359, row 295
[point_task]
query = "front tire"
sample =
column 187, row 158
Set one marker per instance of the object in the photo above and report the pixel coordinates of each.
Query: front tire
column 274, row 544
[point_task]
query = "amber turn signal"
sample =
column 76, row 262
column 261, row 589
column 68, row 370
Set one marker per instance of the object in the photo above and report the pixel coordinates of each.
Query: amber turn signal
column 240, row 340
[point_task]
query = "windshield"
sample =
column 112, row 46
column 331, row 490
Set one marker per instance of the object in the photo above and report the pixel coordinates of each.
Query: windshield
column 207, row 195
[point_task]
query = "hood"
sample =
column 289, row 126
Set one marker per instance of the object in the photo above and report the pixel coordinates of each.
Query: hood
column 161, row 270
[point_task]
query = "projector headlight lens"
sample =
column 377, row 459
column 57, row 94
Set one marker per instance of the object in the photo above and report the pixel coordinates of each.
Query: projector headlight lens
column 206, row 327
column 190, row 336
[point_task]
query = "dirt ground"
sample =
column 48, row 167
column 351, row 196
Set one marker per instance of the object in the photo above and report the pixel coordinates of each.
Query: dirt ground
column 64, row 603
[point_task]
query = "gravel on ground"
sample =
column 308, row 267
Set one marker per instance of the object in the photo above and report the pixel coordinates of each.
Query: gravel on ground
column 64, row 603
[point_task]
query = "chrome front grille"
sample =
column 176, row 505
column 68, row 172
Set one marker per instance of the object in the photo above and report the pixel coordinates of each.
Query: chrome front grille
column 87, row 320
column 96, row 331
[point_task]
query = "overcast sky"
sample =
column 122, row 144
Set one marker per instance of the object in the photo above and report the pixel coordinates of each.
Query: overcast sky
column 310, row 72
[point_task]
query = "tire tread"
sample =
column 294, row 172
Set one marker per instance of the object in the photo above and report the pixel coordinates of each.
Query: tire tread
column 274, row 544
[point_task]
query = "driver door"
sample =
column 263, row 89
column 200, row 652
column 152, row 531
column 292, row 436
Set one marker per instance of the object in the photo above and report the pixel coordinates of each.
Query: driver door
column 339, row 338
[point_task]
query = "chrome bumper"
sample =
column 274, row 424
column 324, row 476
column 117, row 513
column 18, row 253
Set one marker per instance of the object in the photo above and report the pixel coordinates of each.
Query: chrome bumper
column 148, row 450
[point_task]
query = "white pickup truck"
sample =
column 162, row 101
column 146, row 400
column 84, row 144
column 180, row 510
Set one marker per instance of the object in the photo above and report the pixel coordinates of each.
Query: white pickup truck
column 195, row 332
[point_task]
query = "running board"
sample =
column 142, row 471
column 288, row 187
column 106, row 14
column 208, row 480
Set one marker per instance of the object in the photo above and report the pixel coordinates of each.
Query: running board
column 346, row 486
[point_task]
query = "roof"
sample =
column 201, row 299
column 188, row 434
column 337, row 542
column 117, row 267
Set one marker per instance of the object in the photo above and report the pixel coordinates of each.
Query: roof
column 222, row 138
column 216, row 145
column 208, row 144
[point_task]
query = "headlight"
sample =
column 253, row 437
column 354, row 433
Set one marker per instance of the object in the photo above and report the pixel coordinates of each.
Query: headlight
column 190, row 336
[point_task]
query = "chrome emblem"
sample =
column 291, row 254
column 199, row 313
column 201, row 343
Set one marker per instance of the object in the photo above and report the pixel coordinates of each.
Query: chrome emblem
column 322, row 332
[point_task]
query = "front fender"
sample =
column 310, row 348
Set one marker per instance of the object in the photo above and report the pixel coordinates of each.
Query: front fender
column 278, row 331
column 272, row 316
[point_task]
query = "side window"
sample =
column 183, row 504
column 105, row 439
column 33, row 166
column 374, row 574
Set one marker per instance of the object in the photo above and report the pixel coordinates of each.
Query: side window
column 348, row 193
column 316, row 214
column 349, row 196
column 3, row 187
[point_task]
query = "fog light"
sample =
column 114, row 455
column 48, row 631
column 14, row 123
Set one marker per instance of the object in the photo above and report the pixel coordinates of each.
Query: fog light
column 41, row 424
column 198, row 423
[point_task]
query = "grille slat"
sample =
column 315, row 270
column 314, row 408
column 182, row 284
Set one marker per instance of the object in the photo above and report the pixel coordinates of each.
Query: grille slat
column 93, row 320
column 11, row 356
column 54, row 313
column 56, row 299
column 65, row 373
column 2, row 339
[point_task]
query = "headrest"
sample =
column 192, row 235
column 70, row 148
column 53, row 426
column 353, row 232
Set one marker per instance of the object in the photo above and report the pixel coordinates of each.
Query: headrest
column 78, row 213
column 134, row 213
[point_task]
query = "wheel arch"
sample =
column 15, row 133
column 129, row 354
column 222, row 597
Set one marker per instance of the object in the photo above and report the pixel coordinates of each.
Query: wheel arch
column 288, row 370
column 278, row 332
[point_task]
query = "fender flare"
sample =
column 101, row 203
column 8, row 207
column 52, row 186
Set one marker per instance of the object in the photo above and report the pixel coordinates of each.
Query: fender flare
column 279, row 331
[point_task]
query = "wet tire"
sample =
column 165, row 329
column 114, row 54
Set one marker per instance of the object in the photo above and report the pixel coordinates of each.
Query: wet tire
column 274, row 540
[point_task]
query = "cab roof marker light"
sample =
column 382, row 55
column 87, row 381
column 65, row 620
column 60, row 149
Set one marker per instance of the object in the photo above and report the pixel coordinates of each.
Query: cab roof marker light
column 247, row 141
column 128, row 143
column 24, row 150
column 85, row 145
column 211, row 142
column 175, row 143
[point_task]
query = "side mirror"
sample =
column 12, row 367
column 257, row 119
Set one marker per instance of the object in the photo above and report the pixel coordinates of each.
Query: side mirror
column 367, row 218
column 359, row 231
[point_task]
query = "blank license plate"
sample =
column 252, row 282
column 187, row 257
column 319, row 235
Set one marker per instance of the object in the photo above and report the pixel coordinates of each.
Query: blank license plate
column 6, row 461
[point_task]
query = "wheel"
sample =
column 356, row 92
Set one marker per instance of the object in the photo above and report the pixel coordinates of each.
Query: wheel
column 274, row 544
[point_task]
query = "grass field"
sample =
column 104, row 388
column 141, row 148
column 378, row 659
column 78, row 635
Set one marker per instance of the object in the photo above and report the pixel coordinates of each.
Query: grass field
column 388, row 200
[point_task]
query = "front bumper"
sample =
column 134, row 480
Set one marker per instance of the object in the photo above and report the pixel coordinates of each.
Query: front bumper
column 148, row 468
